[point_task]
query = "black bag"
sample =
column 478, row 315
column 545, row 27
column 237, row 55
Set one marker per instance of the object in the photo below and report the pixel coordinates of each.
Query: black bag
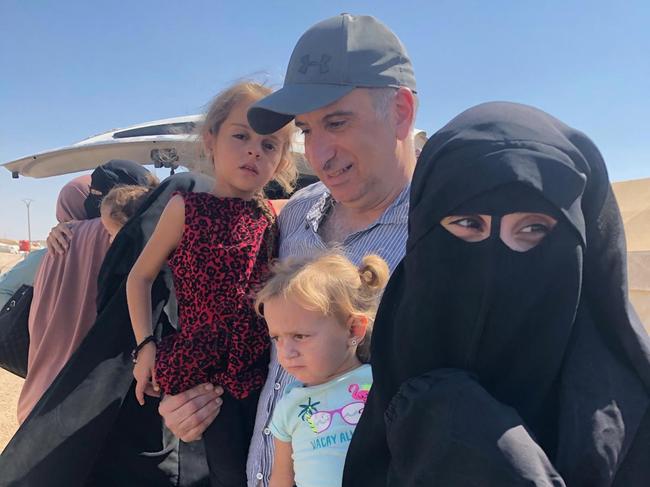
column 14, row 332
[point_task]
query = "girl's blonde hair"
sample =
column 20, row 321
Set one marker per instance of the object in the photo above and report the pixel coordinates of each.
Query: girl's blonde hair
column 332, row 285
column 221, row 106
column 122, row 202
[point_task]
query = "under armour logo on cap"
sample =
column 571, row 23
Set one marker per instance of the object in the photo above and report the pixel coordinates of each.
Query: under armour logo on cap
column 305, row 64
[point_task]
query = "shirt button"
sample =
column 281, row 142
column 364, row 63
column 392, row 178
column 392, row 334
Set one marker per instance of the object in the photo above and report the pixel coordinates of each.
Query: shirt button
column 276, row 386
column 267, row 431
column 259, row 476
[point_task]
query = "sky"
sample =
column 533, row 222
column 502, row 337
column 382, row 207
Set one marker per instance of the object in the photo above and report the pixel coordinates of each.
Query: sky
column 72, row 69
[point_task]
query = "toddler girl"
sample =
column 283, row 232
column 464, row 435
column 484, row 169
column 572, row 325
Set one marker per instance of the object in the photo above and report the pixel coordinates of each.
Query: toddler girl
column 319, row 314
column 218, row 246
column 119, row 205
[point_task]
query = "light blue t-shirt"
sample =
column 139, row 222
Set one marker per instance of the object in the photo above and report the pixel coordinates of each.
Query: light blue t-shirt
column 319, row 422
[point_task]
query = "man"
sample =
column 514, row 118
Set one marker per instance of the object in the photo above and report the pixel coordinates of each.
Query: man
column 350, row 87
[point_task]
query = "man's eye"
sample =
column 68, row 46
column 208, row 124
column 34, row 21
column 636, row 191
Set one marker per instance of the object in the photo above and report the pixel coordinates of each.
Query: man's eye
column 239, row 136
column 299, row 337
column 273, row 338
column 336, row 124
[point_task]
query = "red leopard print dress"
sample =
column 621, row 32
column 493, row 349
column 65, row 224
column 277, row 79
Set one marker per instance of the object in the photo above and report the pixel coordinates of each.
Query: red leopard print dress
column 220, row 263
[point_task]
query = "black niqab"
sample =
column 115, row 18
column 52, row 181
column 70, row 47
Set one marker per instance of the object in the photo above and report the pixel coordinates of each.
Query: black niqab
column 497, row 367
column 107, row 176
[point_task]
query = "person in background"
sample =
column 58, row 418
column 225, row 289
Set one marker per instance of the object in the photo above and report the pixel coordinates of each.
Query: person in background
column 218, row 246
column 419, row 139
column 354, row 101
column 103, row 179
column 65, row 287
column 319, row 312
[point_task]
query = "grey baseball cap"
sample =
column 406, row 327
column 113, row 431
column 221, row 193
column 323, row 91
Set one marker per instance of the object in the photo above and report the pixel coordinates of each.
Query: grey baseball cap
column 330, row 60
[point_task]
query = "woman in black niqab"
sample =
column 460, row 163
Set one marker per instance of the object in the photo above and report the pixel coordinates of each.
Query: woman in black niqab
column 503, row 367
column 113, row 173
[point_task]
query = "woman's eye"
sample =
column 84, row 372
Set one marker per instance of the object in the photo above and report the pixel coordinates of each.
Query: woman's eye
column 473, row 223
column 239, row 136
column 535, row 228
column 524, row 231
column 471, row 228
column 274, row 338
column 269, row 146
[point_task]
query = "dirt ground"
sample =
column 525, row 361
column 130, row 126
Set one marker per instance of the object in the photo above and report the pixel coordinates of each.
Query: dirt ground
column 10, row 389
column 9, row 384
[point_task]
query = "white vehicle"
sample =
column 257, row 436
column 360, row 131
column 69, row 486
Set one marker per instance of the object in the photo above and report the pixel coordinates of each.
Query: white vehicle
column 170, row 143
column 9, row 249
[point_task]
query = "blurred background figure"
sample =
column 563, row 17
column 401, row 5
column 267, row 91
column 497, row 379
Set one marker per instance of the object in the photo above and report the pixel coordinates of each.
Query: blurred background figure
column 419, row 139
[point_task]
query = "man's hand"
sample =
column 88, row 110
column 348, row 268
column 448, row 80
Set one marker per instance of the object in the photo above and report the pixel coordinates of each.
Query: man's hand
column 58, row 240
column 189, row 413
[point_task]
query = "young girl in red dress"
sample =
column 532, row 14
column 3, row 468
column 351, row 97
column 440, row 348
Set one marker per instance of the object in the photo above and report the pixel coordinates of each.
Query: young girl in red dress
column 218, row 246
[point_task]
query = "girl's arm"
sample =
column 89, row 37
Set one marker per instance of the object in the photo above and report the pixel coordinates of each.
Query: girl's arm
column 164, row 240
column 282, row 472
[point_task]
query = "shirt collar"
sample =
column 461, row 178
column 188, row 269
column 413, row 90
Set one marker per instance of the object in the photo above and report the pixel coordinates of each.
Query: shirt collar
column 392, row 214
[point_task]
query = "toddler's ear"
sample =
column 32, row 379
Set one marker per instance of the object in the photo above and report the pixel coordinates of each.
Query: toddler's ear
column 358, row 325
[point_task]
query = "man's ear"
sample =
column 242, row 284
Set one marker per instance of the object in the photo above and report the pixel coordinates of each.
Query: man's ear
column 404, row 106
column 358, row 325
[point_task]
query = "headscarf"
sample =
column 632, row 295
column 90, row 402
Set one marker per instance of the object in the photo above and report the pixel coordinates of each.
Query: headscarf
column 497, row 367
column 111, row 174
column 70, row 204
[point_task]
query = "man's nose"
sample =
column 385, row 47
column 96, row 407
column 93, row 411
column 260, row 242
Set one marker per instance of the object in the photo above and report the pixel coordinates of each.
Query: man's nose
column 319, row 150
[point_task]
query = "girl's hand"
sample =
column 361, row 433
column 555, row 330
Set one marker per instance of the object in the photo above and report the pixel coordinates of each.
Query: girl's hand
column 145, row 372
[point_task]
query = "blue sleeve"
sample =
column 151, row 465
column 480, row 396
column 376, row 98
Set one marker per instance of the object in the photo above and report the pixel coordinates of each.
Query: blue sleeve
column 278, row 425
column 22, row 273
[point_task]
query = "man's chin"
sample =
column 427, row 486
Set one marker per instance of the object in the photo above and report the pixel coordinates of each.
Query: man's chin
column 345, row 194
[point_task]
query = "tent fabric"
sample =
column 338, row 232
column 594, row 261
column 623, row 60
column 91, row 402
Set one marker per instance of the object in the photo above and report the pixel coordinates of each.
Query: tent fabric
column 633, row 198
column 638, row 265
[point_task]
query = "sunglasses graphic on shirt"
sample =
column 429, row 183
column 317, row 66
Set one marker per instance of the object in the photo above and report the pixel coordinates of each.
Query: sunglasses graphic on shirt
column 321, row 420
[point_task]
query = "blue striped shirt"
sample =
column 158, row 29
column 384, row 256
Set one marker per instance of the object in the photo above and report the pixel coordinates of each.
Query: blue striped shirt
column 299, row 222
